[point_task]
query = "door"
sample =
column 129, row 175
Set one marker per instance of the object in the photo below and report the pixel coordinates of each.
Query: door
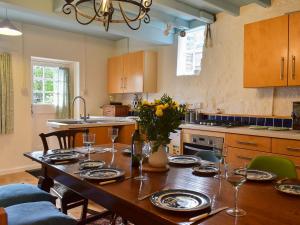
column 294, row 47
column 134, row 72
column 115, row 78
column 266, row 52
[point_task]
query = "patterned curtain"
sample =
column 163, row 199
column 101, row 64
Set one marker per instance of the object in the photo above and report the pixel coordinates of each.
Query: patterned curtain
column 6, row 95
column 64, row 94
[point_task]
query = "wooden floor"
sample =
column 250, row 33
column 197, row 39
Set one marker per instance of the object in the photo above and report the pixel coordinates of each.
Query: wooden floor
column 24, row 177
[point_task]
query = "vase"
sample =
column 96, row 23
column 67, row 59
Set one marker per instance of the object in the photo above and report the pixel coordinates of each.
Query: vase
column 159, row 158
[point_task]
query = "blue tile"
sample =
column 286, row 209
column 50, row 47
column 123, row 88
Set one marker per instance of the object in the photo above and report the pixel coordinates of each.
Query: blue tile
column 252, row 120
column 269, row 122
column 212, row 117
column 238, row 118
column 261, row 121
column 245, row 120
column 288, row 123
column 230, row 118
column 278, row 122
column 224, row 118
column 218, row 118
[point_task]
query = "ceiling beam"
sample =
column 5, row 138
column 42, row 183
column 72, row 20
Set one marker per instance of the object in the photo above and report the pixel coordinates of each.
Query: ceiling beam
column 225, row 5
column 263, row 3
column 183, row 11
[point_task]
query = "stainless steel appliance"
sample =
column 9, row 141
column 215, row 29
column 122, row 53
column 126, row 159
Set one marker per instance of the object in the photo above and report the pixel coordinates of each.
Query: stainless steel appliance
column 296, row 115
column 194, row 143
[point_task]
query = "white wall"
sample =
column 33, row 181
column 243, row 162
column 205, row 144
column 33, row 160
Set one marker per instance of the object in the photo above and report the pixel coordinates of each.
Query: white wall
column 91, row 53
column 220, row 84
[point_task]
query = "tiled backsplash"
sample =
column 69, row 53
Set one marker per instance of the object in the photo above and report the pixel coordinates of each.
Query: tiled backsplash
column 251, row 120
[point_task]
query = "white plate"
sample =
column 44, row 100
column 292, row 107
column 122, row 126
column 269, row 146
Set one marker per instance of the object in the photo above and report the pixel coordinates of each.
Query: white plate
column 184, row 160
column 257, row 175
column 293, row 189
column 102, row 174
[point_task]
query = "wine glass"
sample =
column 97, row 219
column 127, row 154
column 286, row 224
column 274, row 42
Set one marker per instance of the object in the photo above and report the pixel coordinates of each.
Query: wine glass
column 113, row 134
column 141, row 152
column 89, row 140
column 219, row 155
column 236, row 180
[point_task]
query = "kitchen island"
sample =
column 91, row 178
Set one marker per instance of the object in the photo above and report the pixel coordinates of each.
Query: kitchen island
column 98, row 125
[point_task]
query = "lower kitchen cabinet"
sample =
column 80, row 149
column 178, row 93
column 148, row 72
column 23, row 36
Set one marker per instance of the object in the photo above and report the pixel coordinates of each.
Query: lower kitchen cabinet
column 125, row 133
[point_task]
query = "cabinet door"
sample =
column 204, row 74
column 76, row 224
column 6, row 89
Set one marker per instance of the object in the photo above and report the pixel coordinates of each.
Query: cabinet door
column 266, row 53
column 134, row 72
column 115, row 75
column 294, row 50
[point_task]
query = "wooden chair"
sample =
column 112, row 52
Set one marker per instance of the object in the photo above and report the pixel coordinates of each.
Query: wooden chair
column 68, row 198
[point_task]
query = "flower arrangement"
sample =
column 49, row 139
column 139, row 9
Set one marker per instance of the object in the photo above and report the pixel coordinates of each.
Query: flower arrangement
column 158, row 119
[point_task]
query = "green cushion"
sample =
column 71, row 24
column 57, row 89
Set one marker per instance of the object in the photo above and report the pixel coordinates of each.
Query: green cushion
column 13, row 194
column 282, row 167
column 37, row 213
column 207, row 155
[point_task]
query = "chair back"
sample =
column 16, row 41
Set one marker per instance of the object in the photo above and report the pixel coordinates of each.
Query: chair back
column 207, row 155
column 282, row 167
column 66, row 138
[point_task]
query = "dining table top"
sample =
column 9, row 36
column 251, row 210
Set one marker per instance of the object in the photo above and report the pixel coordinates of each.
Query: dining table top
column 262, row 202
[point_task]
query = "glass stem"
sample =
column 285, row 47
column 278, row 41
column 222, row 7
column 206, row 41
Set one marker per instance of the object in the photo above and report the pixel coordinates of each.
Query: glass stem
column 113, row 145
column 141, row 168
column 89, row 153
column 236, row 199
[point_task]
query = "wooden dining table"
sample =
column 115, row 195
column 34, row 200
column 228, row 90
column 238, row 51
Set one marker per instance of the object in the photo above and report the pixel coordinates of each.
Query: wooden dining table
column 262, row 202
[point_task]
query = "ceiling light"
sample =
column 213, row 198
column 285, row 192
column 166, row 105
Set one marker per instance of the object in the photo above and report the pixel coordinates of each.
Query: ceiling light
column 7, row 28
column 110, row 11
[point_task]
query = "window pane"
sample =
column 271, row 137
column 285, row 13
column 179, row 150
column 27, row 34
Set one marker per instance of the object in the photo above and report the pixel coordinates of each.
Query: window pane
column 49, row 72
column 37, row 85
column 37, row 71
column 49, row 85
column 48, row 98
column 37, row 98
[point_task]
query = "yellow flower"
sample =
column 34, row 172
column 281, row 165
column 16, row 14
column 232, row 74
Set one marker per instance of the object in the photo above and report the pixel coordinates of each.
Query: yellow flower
column 157, row 101
column 159, row 112
column 165, row 106
column 145, row 102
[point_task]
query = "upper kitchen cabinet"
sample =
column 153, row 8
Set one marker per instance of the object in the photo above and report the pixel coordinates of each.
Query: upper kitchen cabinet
column 266, row 53
column 134, row 72
column 294, row 49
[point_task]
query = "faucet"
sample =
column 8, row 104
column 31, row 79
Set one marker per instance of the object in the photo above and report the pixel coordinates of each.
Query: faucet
column 85, row 117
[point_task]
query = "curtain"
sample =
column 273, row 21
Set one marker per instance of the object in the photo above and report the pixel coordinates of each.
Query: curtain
column 64, row 94
column 6, row 95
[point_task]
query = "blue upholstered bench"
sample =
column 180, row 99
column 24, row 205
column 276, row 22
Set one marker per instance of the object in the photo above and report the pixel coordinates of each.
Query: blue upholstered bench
column 13, row 194
column 37, row 213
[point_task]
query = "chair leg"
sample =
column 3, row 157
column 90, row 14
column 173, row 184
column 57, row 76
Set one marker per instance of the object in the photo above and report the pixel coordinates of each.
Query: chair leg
column 64, row 207
column 84, row 210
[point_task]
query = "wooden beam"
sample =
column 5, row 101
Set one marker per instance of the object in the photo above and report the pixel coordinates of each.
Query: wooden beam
column 224, row 5
column 182, row 10
column 263, row 3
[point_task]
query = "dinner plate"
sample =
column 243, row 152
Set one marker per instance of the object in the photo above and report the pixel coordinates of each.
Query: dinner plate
column 91, row 164
column 257, row 175
column 205, row 170
column 184, row 160
column 179, row 200
column 293, row 189
column 59, row 157
column 102, row 174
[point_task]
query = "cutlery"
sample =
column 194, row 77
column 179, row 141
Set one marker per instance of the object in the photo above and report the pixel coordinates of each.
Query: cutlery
column 113, row 181
column 202, row 216
column 148, row 195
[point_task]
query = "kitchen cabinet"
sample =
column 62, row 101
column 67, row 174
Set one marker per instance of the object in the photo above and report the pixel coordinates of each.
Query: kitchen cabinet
column 134, row 72
column 125, row 133
column 266, row 53
column 294, row 49
column 249, row 142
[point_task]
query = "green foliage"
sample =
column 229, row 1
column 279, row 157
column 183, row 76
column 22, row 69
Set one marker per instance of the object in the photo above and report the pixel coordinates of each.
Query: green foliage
column 159, row 118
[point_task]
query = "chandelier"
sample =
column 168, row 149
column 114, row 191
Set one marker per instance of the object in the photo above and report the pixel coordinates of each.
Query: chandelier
column 110, row 11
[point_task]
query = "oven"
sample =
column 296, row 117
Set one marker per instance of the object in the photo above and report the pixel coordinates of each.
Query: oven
column 195, row 143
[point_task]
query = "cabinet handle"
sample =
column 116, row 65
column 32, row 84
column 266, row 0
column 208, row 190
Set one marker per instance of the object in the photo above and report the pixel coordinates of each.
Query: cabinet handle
column 294, row 67
column 291, row 149
column 282, row 68
column 122, row 83
column 247, row 143
column 244, row 157
column 125, row 82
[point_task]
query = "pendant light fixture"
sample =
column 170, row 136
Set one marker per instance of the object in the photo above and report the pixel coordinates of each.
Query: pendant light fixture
column 7, row 28
column 110, row 11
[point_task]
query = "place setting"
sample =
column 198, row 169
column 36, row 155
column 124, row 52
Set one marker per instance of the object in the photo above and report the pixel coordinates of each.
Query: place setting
column 288, row 186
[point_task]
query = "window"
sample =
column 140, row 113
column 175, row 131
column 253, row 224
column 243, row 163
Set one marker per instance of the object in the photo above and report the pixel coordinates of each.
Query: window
column 44, row 86
column 190, row 50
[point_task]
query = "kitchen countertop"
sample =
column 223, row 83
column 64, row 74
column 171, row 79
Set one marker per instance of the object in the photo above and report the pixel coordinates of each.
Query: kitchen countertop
column 94, row 121
column 291, row 134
